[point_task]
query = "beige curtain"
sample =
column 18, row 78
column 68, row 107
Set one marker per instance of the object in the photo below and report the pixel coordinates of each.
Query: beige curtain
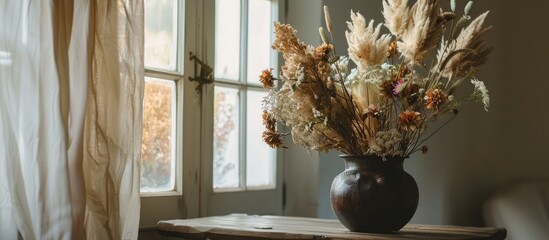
column 114, row 120
column 71, row 90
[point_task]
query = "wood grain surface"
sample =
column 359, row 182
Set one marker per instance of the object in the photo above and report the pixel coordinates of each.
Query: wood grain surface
column 242, row 226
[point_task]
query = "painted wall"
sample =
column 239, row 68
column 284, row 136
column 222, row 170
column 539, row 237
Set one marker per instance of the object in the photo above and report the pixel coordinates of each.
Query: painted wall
column 301, row 168
column 478, row 152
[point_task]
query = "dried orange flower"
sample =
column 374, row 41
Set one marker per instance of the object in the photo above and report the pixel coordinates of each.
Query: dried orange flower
column 392, row 49
column 409, row 120
column 323, row 52
column 270, row 135
column 434, row 98
column 269, row 122
column 266, row 78
column 273, row 139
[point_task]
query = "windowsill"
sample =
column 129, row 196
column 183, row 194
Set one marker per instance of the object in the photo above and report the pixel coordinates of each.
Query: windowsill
column 160, row 194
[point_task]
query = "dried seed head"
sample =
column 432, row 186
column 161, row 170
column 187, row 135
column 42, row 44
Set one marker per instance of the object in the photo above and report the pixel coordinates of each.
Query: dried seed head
column 468, row 7
column 323, row 35
column 424, row 149
column 328, row 19
column 448, row 16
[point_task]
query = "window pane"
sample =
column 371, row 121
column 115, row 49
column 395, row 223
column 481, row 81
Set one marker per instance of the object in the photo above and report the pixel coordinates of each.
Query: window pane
column 5, row 58
column 260, row 158
column 227, row 41
column 226, row 138
column 157, row 149
column 259, row 38
column 161, row 34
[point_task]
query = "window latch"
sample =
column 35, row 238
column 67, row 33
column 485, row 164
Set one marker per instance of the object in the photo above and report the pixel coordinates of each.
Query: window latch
column 202, row 77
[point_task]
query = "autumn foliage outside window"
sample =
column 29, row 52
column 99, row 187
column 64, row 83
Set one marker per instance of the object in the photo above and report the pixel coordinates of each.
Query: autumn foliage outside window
column 156, row 150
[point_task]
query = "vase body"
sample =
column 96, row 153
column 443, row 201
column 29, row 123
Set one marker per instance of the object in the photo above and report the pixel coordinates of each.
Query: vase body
column 374, row 194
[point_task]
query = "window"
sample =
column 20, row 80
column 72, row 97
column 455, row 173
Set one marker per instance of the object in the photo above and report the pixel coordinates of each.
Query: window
column 179, row 141
column 163, row 74
column 169, row 124
column 243, row 30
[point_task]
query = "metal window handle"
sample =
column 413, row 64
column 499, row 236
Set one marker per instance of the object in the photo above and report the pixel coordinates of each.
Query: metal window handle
column 206, row 73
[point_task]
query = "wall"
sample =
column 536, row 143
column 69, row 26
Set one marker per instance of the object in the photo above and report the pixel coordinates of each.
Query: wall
column 301, row 168
column 478, row 152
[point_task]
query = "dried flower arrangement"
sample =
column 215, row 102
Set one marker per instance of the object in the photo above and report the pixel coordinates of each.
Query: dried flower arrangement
column 385, row 104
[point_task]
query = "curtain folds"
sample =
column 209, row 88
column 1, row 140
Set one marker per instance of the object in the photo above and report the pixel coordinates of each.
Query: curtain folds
column 71, row 90
column 114, row 120
column 78, row 56
column 32, row 135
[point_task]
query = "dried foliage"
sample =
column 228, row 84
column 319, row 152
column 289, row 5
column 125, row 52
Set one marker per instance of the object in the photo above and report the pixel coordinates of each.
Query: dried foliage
column 384, row 105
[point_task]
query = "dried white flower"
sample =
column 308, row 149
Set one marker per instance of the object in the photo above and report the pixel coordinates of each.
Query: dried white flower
column 482, row 92
column 386, row 143
column 366, row 47
column 317, row 114
column 425, row 29
column 374, row 146
column 386, row 66
column 396, row 13
column 461, row 56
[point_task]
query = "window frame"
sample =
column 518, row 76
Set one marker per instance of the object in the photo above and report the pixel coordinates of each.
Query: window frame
column 243, row 86
column 268, row 201
column 178, row 77
column 185, row 202
column 194, row 114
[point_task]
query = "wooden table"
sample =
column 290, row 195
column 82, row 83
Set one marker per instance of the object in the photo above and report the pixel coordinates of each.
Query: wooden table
column 241, row 226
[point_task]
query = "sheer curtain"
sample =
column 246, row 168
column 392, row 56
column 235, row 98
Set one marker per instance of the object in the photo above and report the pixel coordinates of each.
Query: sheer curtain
column 114, row 120
column 71, row 89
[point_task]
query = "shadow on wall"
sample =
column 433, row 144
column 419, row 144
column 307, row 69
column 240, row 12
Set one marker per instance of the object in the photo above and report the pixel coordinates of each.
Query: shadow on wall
column 330, row 165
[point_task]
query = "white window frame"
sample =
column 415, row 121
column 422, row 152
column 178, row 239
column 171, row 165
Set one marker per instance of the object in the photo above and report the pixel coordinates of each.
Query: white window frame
column 183, row 202
column 178, row 78
column 243, row 85
column 194, row 151
column 265, row 201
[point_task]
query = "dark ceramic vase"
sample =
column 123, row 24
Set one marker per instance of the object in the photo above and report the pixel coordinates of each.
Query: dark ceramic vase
column 374, row 195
